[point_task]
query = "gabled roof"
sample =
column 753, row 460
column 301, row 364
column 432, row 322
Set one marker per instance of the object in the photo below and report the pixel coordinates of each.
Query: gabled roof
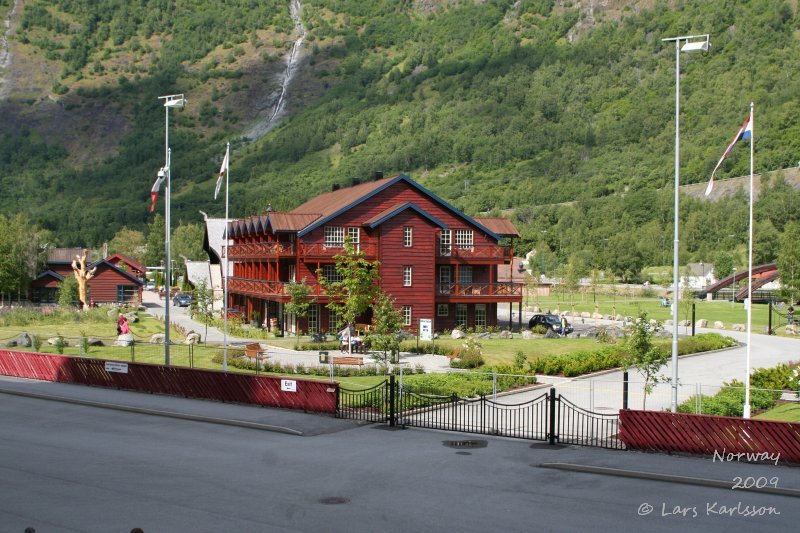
column 332, row 204
column 500, row 226
column 214, row 239
column 51, row 274
column 114, row 267
column 132, row 262
column 66, row 255
column 395, row 210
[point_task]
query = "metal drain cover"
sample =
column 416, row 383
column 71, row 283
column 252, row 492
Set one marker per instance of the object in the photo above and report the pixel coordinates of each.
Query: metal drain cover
column 461, row 444
column 334, row 500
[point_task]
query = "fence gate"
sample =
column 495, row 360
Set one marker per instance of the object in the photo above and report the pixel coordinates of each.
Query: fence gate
column 547, row 417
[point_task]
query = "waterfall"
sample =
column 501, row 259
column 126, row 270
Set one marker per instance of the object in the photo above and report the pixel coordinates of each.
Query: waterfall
column 292, row 59
column 5, row 51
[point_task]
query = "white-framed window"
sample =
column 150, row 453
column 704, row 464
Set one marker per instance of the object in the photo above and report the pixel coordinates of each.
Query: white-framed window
column 464, row 238
column 292, row 272
column 444, row 275
column 331, row 274
column 334, row 236
column 407, row 276
column 408, row 233
column 442, row 310
column 313, row 318
column 355, row 236
column 444, row 242
column 406, row 315
column 334, row 320
column 461, row 315
column 465, row 274
column 480, row 315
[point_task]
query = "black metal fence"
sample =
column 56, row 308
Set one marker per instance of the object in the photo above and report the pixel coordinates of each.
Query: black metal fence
column 546, row 417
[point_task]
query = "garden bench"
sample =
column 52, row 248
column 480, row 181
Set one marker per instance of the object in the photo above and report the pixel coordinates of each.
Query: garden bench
column 255, row 351
column 347, row 360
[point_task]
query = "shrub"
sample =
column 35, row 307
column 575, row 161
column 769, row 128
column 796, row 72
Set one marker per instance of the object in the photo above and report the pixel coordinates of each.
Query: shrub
column 36, row 340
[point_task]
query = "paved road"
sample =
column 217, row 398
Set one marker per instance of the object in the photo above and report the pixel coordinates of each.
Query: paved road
column 69, row 467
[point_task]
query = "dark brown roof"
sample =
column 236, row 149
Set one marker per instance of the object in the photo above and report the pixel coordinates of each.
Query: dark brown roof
column 66, row 255
column 499, row 226
column 131, row 261
column 331, row 202
column 290, row 221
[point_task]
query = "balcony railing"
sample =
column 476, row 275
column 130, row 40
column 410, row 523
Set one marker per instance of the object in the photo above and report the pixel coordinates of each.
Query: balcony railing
column 487, row 290
column 262, row 288
column 259, row 250
column 487, row 252
column 322, row 250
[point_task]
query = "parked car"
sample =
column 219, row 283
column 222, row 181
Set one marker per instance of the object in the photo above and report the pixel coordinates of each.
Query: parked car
column 150, row 286
column 182, row 299
column 549, row 322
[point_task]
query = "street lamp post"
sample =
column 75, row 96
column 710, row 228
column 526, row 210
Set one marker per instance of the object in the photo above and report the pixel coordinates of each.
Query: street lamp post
column 699, row 43
column 170, row 101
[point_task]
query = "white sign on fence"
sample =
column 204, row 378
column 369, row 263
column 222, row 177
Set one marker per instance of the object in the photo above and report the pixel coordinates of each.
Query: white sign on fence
column 288, row 385
column 425, row 329
column 111, row 366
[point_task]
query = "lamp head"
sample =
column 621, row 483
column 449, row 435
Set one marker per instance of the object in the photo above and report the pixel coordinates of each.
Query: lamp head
column 174, row 101
column 697, row 46
column 161, row 172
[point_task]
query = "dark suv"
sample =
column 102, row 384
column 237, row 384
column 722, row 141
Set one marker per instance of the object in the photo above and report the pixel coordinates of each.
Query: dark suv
column 549, row 322
column 182, row 299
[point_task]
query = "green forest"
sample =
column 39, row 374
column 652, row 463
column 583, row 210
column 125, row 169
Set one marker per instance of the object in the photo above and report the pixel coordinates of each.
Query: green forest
column 557, row 116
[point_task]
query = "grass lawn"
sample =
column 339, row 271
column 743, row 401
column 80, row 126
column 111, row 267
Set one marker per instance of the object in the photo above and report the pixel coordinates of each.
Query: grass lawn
column 503, row 351
column 727, row 312
column 787, row 412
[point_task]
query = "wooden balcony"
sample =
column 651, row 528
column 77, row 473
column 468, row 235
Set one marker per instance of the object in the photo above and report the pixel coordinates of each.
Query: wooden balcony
column 274, row 290
column 259, row 250
column 487, row 253
column 478, row 292
column 319, row 250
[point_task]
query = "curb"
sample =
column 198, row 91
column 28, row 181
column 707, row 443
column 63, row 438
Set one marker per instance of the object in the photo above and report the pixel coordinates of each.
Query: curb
column 155, row 412
column 668, row 478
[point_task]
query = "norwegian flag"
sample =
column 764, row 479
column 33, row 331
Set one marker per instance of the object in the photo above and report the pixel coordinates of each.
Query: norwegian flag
column 223, row 169
column 156, row 188
column 745, row 132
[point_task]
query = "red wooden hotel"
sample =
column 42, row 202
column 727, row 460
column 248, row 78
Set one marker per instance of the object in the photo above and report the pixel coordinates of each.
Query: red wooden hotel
column 435, row 261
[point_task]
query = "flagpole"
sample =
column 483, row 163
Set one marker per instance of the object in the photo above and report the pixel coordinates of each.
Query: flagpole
column 746, row 411
column 225, row 274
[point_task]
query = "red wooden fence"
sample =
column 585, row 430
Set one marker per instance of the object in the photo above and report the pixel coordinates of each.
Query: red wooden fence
column 705, row 434
column 309, row 395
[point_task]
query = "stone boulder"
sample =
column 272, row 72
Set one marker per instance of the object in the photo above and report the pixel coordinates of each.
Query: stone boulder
column 52, row 341
column 586, row 314
column 718, row 324
column 791, row 329
column 132, row 317
column 192, row 338
column 457, row 334
column 94, row 341
column 484, row 335
column 551, row 334
column 113, row 312
column 527, row 334
column 597, row 316
column 702, row 323
column 738, row 327
column 23, row 340
column 505, row 334
column 619, row 318
column 685, row 323
column 125, row 339
column 157, row 338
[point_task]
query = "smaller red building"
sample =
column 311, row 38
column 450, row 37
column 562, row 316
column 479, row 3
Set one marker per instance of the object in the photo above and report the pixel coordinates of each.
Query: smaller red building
column 118, row 283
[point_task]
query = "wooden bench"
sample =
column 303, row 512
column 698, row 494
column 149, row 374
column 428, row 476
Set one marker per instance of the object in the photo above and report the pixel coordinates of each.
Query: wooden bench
column 347, row 360
column 255, row 351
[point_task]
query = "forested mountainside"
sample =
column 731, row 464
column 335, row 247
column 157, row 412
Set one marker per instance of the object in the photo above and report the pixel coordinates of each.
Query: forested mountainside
column 557, row 113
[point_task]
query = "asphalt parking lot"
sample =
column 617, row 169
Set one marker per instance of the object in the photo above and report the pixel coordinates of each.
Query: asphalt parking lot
column 76, row 467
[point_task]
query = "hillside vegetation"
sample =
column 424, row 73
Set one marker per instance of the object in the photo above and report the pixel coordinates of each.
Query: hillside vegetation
column 495, row 105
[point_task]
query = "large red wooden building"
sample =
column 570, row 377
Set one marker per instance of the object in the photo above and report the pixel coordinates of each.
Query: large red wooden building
column 435, row 261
